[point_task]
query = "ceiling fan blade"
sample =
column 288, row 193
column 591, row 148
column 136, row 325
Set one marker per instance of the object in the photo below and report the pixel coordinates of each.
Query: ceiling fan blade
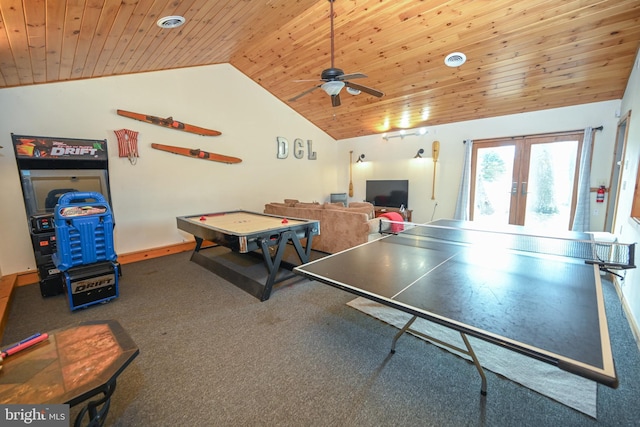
column 364, row 89
column 335, row 100
column 304, row 93
column 351, row 76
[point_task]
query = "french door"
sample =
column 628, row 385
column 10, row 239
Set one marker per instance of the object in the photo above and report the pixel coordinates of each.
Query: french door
column 528, row 180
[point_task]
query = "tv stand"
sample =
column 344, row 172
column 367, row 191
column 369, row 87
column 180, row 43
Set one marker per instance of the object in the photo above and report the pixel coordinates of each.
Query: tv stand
column 379, row 210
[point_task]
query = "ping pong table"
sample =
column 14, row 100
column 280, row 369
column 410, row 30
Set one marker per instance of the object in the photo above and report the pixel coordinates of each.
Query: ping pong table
column 536, row 295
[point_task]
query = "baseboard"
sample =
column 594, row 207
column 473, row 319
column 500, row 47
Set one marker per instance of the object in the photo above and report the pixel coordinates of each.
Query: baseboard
column 635, row 330
column 156, row 252
column 31, row 277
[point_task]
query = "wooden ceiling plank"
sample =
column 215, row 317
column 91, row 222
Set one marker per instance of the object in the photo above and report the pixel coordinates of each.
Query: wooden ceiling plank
column 194, row 29
column 108, row 14
column 114, row 34
column 15, row 25
column 442, row 49
column 144, row 28
column 446, row 31
column 153, row 36
column 286, row 19
column 35, row 19
column 345, row 49
column 570, row 38
column 216, row 39
column 8, row 72
column 470, row 53
column 199, row 50
column 121, row 39
column 72, row 25
column 89, row 22
column 170, row 38
column 55, row 14
column 597, row 53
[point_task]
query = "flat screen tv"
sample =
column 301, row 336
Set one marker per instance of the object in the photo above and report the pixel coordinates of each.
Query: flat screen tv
column 389, row 193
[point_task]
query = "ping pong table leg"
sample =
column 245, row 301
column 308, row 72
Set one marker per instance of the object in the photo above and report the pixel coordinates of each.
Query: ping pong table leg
column 472, row 354
column 469, row 351
column 404, row 329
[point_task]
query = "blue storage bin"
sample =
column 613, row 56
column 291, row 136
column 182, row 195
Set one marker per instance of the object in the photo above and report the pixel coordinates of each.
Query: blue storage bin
column 84, row 230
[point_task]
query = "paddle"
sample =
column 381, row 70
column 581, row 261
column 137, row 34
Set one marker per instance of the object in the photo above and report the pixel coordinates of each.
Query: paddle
column 350, row 174
column 435, row 151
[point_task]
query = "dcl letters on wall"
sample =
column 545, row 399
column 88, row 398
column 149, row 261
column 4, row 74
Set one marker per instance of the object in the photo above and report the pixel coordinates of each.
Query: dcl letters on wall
column 298, row 148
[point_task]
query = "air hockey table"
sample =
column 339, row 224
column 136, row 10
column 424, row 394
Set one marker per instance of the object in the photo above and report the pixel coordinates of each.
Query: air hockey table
column 249, row 233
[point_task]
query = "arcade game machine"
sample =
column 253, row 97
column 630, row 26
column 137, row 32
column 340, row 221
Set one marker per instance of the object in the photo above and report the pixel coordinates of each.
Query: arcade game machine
column 84, row 248
column 48, row 168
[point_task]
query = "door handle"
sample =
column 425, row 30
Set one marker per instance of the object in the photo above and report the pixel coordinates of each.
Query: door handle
column 523, row 188
column 514, row 188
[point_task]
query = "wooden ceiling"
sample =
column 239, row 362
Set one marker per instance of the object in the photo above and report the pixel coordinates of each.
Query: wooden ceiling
column 522, row 55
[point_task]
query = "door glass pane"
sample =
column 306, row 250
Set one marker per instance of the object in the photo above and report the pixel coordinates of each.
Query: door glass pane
column 494, row 172
column 549, row 187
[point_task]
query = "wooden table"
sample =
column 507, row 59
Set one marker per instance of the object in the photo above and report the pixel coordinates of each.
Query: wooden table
column 74, row 364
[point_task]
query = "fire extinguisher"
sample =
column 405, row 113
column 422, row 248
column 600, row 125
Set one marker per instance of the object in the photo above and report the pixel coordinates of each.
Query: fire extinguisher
column 600, row 194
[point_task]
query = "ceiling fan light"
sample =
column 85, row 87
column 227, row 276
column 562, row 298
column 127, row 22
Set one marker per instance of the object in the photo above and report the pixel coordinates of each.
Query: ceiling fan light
column 353, row 91
column 333, row 87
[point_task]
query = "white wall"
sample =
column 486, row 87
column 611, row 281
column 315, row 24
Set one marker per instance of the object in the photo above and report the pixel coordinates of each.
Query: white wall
column 393, row 159
column 626, row 227
column 147, row 197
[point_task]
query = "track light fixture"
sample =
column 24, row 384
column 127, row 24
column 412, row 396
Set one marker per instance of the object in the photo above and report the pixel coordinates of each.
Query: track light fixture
column 402, row 134
column 360, row 158
column 419, row 154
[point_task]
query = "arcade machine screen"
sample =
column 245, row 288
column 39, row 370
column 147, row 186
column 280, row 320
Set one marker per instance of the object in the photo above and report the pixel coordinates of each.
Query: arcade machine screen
column 43, row 188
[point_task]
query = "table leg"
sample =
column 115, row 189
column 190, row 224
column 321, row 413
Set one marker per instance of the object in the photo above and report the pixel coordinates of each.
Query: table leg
column 97, row 416
column 469, row 350
column 198, row 244
column 273, row 264
column 472, row 354
column 404, row 329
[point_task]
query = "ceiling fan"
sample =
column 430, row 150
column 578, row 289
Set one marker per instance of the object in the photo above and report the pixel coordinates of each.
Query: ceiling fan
column 335, row 79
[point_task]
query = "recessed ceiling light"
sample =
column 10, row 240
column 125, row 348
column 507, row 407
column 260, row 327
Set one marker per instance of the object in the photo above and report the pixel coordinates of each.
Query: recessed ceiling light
column 455, row 59
column 170, row 21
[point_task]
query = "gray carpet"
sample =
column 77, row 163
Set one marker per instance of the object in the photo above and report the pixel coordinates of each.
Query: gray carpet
column 210, row 354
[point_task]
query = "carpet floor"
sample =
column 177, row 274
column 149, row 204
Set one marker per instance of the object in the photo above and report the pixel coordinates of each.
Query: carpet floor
column 213, row 355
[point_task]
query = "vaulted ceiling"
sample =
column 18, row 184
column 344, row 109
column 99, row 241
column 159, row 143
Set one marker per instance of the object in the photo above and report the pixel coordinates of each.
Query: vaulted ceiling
column 522, row 55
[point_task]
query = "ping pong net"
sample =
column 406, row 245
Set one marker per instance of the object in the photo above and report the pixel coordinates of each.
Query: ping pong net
column 607, row 255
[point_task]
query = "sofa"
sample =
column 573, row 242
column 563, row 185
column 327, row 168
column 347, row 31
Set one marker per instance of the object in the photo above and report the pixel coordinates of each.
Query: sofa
column 341, row 227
